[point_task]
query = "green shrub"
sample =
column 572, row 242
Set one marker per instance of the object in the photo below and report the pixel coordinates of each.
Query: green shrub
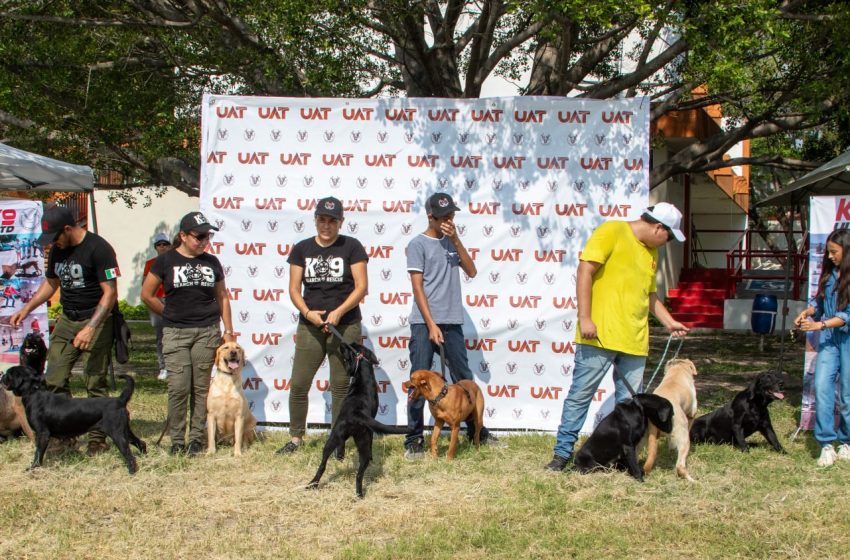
column 139, row 312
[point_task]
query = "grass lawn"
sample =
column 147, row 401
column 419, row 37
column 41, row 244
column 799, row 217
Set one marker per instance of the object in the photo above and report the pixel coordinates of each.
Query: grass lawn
column 496, row 503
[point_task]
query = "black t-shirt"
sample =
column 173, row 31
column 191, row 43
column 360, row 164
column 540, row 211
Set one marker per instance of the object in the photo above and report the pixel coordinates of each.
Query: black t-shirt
column 189, row 288
column 327, row 276
column 81, row 269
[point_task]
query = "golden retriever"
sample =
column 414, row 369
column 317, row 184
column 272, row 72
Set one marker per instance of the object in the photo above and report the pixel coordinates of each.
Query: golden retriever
column 451, row 404
column 678, row 388
column 229, row 417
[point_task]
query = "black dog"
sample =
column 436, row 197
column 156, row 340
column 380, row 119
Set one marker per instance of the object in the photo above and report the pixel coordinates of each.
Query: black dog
column 33, row 352
column 746, row 414
column 614, row 441
column 357, row 415
column 50, row 414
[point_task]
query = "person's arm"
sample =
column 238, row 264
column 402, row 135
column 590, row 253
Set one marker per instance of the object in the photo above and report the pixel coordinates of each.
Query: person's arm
column 466, row 263
column 584, row 291
column 361, row 286
column 418, row 284
column 224, row 308
column 108, row 299
column 674, row 327
column 314, row 316
column 148, row 295
column 44, row 293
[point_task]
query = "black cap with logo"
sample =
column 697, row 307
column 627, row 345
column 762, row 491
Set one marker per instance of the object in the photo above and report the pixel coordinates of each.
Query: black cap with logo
column 53, row 221
column 195, row 221
column 329, row 206
column 440, row 204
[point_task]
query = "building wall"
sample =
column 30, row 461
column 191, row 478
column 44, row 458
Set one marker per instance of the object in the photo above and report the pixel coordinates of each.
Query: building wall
column 130, row 231
column 712, row 209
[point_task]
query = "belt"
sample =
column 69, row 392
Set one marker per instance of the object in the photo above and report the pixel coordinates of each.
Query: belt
column 81, row 315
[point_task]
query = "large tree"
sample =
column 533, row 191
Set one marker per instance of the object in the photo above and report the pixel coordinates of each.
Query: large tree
column 117, row 84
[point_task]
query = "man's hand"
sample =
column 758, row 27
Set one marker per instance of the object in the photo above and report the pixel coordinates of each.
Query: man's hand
column 588, row 328
column 435, row 334
column 677, row 329
column 16, row 319
column 83, row 339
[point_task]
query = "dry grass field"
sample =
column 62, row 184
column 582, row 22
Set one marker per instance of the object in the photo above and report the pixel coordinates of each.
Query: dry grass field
column 496, row 503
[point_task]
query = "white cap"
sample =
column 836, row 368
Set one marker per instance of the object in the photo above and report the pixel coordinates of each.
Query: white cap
column 667, row 215
column 160, row 237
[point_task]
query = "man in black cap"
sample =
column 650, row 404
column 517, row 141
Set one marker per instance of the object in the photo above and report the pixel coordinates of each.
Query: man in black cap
column 84, row 266
column 434, row 260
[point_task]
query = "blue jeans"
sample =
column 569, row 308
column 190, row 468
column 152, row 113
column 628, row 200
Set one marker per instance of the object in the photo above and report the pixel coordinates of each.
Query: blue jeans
column 832, row 368
column 422, row 352
column 590, row 366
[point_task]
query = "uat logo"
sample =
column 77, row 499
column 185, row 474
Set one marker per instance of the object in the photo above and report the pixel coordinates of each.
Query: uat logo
column 244, row 316
column 352, row 227
column 270, row 317
column 246, row 225
column 483, row 367
column 271, row 225
column 538, row 369
column 386, row 274
column 484, row 323
column 269, row 359
column 511, row 368
column 502, row 391
column 279, row 271
column 377, row 320
column 281, row 180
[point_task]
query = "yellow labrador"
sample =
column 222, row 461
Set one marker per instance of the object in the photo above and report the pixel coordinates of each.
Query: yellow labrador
column 678, row 388
column 228, row 416
column 13, row 418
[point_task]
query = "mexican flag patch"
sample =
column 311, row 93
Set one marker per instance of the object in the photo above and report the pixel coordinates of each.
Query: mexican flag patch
column 112, row 273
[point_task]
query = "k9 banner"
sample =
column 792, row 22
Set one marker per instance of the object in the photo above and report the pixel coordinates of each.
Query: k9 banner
column 827, row 213
column 21, row 274
column 533, row 177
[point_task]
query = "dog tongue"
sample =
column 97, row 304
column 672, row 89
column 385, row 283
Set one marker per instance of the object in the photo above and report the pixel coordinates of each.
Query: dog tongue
column 233, row 364
column 778, row 395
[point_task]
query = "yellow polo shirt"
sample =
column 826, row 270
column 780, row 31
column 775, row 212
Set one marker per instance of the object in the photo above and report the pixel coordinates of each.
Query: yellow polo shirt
column 621, row 288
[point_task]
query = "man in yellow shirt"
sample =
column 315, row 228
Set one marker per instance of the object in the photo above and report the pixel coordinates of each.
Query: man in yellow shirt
column 615, row 286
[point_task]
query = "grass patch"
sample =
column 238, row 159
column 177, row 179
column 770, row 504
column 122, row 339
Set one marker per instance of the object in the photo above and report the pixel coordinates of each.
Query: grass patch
column 492, row 503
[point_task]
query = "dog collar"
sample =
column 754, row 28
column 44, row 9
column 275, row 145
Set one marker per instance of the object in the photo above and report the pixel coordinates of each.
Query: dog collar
column 443, row 392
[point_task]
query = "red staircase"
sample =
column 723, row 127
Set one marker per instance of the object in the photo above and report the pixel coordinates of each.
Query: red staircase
column 698, row 299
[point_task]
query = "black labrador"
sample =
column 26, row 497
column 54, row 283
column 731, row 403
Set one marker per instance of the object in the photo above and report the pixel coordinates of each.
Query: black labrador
column 33, row 352
column 746, row 414
column 357, row 415
column 615, row 439
column 50, row 414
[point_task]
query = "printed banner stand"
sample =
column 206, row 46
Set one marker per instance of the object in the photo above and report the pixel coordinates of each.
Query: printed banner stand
column 533, row 177
column 21, row 274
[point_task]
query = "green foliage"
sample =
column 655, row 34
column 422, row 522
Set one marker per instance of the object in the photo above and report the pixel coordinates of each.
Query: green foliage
column 130, row 312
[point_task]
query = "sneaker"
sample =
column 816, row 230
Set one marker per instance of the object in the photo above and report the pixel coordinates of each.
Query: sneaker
column 96, row 448
column 844, row 452
column 177, row 449
column 195, row 448
column 414, row 451
column 557, row 463
column 493, row 441
column 827, row 456
column 290, row 447
column 163, row 375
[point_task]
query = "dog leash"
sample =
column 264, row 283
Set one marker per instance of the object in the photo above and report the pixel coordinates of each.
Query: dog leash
column 661, row 362
column 625, row 382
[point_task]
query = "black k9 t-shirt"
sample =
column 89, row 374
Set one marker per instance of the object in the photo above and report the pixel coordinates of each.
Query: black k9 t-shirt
column 327, row 276
column 189, row 289
column 81, row 269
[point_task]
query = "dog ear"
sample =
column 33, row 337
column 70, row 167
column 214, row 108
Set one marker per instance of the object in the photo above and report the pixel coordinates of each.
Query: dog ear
column 659, row 410
column 241, row 356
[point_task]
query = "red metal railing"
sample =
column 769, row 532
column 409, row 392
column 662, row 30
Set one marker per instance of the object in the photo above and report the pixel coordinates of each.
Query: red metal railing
column 739, row 262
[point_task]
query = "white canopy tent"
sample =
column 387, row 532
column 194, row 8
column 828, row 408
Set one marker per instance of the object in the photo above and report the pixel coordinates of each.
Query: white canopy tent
column 25, row 171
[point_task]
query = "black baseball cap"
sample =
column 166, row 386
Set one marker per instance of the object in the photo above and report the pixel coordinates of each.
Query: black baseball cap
column 329, row 206
column 53, row 221
column 440, row 204
column 195, row 221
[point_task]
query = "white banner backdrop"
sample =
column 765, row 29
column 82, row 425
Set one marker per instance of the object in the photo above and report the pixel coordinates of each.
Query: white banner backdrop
column 533, row 177
column 21, row 274
column 827, row 213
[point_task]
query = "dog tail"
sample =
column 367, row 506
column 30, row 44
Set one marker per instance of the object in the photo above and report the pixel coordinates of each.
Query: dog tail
column 380, row 428
column 129, row 387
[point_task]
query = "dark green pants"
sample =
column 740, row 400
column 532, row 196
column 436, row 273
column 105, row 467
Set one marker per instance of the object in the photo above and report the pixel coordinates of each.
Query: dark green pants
column 189, row 354
column 63, row 355
column 311, row 347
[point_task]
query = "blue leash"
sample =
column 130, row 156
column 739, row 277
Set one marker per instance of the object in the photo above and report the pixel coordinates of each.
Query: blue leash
column 661, row 362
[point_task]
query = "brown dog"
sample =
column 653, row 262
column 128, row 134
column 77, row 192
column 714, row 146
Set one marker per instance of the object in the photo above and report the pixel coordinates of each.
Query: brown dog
column 678, row 388
column 228, row 412
column 449, row 404
column 13, row 418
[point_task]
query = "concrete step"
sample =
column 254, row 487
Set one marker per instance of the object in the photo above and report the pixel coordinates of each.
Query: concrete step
column 706, row 294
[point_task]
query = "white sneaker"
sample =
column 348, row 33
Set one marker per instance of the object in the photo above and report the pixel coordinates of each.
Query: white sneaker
column 827, row 456
column 163, row 374
column 844, row 452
